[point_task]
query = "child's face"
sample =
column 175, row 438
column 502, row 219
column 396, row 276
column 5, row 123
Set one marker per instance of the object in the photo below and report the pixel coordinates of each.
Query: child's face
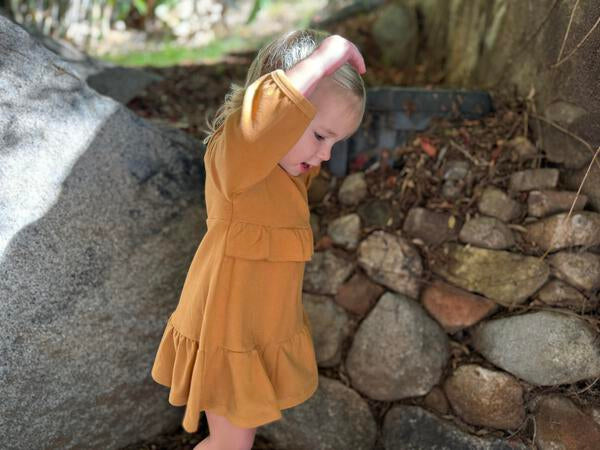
column 338, row 112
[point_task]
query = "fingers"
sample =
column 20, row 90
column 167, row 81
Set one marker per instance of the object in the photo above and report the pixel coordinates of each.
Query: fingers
column 357, row 60
column 351, row 54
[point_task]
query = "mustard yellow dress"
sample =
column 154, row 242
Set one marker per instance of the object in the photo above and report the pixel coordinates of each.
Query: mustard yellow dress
column 239, row 341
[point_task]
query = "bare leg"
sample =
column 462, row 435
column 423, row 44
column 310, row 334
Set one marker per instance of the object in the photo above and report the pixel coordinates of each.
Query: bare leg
column 226, row 436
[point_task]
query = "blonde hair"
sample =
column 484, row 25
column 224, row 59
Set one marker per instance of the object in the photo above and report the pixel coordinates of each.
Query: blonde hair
column 283, row 53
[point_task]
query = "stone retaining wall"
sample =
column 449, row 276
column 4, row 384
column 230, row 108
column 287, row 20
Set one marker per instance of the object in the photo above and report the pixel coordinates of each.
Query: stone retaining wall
column 461, row 317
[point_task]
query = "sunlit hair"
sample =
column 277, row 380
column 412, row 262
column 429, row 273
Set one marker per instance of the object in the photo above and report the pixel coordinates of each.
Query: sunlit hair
column 283, row 53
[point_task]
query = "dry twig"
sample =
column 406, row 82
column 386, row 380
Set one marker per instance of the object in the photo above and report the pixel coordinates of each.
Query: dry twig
column 587, row 172
column 572, row 52
column 464, row 151
column 587, row 387
column 562, row 47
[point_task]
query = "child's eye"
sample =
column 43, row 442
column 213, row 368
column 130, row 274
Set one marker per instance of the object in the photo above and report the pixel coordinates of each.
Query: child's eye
column 319, row 137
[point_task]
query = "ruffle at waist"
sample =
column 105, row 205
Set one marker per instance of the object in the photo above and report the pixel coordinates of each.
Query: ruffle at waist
column 256, row 241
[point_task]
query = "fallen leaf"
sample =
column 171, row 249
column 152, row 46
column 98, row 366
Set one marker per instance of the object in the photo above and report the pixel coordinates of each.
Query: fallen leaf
column 324, row 243
column 495, row 154
column 451, row 222
column 428, row 147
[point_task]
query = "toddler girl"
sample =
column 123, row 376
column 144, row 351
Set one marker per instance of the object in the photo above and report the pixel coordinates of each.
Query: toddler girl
column 238, row 345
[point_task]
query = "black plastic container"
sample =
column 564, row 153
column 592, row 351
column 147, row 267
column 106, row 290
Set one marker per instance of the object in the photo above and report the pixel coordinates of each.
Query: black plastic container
column 395, row 114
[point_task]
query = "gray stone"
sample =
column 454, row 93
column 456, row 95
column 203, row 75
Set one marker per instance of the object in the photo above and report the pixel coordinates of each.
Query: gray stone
column 101, row 214
column 395, row 20
column 353, row 189
column 456, row 175
column 544, row 203
column 522, row 148
column 487, row 232
column 496, row 203
column 398, row 351
column 507, row 278
column 486, row 398
column 330, row 326
column 409, row 427
column 326, row 272
column 563, row 149
column 563, row 112
column 436, row 401
column 119, row 83
column 581, row 269
column 342, row 417
column 559, row 293
column 345, row 230
column 591, row 187
column 556, row 232
column 543, row 348
column 456, row 170
column 430, row 226
column 528, row 180
column 451, row 189
column 392, row 261
column 376, row 213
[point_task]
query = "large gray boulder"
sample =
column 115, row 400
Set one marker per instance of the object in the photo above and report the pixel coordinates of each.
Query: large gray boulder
column 117, row 82
column 100, row 215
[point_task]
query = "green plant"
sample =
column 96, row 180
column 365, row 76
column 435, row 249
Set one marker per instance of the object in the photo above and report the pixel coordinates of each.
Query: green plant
column 256, row 7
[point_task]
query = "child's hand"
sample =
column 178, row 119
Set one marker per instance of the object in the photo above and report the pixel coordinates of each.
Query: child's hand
column 335, row 51
column 326, row 59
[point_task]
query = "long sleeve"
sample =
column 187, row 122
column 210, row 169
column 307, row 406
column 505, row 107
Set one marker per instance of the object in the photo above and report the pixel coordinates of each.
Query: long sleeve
column 273, row 117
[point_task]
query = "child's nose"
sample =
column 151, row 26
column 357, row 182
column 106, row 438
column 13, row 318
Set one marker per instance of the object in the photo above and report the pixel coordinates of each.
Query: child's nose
column 325, row 155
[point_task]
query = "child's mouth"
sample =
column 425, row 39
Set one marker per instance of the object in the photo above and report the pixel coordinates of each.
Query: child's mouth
column 304, row 166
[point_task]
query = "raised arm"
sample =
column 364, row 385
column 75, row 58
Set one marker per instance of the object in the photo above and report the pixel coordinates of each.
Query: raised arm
column 273, row 116
column 275, row 113
column 326, row 59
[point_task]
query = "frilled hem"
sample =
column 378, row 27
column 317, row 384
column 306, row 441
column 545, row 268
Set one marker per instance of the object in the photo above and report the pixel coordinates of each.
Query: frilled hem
column 250, row 388
column 255, row 241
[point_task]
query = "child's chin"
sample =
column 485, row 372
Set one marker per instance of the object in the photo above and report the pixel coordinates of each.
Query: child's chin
column 294, row 173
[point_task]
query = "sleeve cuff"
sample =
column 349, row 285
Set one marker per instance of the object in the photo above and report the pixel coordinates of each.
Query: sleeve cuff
column 293, row 93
